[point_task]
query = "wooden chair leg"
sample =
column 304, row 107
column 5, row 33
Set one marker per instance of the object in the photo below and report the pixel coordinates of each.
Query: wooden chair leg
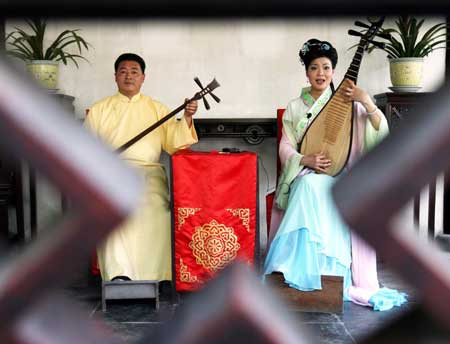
column 33, row 203
column 19, row 206
column 4, row 222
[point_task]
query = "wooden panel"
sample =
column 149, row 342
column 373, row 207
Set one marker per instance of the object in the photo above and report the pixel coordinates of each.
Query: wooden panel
column 329, row 299
column 397, row 108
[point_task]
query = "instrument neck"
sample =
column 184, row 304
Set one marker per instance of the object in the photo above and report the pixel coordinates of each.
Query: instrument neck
column 353, row 70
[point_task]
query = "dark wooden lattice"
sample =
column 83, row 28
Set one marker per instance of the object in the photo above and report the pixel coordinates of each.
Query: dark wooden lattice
column 371, row 194
column 35, row 129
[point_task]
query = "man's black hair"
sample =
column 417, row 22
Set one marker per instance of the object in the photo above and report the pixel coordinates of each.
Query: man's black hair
column 130, row 57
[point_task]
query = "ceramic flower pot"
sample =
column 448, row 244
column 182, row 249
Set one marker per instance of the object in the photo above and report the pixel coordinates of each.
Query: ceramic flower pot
column 45, row 72
column 406, row 71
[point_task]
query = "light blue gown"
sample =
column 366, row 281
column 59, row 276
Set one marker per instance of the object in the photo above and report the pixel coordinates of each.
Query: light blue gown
column 312, row 241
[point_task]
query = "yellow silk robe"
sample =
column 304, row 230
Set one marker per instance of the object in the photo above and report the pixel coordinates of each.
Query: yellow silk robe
column 140, row 248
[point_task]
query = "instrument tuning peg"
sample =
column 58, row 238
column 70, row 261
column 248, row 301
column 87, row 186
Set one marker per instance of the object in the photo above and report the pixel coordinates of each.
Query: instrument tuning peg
column 384, row 35
column 197, row 81
column 361, row 24
column 378, row 44
column 216, row 98
column 355, row 33
column 205, row 102
column 214, row 84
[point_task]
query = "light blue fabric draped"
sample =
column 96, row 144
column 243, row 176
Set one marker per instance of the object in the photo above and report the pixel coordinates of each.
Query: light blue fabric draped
column 312, row 241
column 386, row 298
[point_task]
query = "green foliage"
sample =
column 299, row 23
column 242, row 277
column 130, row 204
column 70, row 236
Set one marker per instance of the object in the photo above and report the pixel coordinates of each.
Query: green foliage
column 406, row 41
column 30, row 47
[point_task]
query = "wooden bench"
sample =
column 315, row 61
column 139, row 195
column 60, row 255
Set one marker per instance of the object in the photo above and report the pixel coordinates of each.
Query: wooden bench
column 329, row 299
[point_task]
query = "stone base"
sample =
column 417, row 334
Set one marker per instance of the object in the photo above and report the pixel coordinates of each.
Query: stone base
column 120, row 290
column 329, row 299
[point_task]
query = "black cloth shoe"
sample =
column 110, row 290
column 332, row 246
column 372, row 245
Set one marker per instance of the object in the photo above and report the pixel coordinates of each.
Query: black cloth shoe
column 121, row 278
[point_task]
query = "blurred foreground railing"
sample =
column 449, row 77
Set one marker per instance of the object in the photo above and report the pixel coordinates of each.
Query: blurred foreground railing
column 369, row 197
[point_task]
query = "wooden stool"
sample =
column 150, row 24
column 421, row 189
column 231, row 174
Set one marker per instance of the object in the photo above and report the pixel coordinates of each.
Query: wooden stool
column 120, row 290
column 329, row 299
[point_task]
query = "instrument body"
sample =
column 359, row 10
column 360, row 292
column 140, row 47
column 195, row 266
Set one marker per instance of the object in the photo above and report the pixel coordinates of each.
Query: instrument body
column 331, row 131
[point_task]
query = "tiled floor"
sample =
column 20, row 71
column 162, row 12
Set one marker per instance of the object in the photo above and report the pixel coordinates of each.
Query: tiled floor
column 131, row 319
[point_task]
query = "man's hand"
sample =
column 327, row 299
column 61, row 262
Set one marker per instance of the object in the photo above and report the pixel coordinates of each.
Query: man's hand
column 190, row 110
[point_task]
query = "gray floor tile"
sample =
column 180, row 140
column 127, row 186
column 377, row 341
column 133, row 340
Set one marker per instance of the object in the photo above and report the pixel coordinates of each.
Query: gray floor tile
column 330, row 333
column 363, row 321
column 132, row 332
column 133, row 318
column 137, row 311
column 317, row 318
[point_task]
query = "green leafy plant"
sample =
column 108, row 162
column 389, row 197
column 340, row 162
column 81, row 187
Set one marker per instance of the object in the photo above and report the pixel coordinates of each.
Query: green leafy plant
column 405, row 40
column 30, row 47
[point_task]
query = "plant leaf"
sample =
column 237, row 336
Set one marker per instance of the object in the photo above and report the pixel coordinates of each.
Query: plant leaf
column 27, row 46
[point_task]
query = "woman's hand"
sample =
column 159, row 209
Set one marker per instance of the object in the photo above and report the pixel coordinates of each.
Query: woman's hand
column 352, row 92
column 317, row 162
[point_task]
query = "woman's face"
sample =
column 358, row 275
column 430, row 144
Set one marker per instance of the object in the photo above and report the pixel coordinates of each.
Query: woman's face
column 320, row 73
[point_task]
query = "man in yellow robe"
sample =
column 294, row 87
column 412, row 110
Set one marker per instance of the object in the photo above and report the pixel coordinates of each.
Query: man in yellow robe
column 140, row 249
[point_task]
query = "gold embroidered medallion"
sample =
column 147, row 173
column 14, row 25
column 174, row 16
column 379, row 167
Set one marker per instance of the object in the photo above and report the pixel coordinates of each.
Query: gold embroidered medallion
column 214, row 245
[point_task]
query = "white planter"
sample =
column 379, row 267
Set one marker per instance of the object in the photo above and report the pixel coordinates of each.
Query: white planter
column 406, row 71
column 45, row 72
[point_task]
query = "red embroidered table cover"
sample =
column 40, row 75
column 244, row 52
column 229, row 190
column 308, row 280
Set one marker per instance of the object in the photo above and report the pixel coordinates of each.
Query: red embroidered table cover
column 215, row 211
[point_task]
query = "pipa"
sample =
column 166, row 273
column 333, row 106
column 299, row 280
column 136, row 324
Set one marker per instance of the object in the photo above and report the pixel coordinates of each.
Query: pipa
column 331, row 130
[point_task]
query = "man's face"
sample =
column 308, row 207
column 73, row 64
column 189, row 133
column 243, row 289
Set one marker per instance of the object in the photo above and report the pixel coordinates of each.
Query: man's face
column 129, row 78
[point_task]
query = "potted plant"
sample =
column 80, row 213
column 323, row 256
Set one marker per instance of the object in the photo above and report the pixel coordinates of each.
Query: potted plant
column 43, row 63
column 406, row 48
